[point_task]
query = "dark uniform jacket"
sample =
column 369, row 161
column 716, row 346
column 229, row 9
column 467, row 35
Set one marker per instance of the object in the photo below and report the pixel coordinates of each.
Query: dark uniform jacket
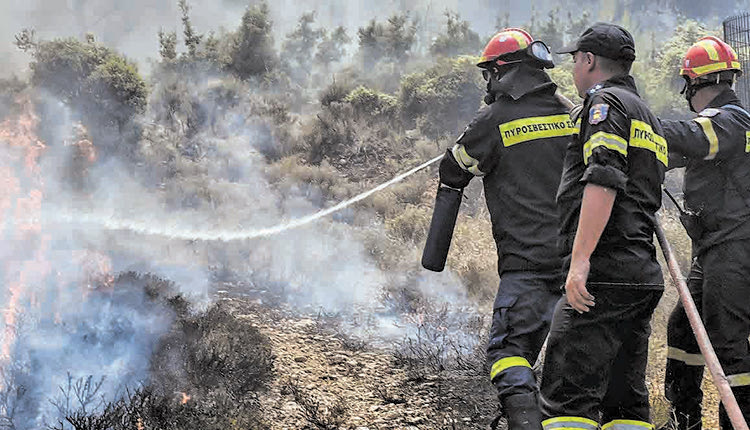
column 715, row 149
column 517, row 145
column 620, row 146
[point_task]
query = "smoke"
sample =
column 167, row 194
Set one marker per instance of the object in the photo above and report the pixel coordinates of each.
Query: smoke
column 108, row 338
column 132, row 27
column 64, row 319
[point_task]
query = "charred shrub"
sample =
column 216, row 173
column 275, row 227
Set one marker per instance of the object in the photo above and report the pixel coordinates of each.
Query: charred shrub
column 147, row 409
column 323, row 414
column 444, row 357
column 213, row 351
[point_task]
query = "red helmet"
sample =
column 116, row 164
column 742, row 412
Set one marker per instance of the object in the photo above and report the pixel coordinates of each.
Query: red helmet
column 506, row 41
column 709, row 55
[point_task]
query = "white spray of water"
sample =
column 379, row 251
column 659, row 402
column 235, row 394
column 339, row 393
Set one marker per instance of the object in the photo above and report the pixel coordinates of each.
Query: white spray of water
column 173, row 232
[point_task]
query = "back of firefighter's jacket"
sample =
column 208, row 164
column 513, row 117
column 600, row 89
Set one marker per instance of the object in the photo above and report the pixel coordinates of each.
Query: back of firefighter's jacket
column 517, row 146
column 620, row 146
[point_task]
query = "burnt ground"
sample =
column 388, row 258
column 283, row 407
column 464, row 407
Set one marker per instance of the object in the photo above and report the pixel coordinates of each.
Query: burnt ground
column 328, row 379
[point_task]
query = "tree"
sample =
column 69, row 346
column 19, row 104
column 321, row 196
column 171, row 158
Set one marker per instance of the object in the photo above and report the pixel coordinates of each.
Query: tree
column 576, row 25
column 168, row 46
column 299, row 46
column 399, row 37
column 192, row 39
column 332, row 47
column 664, row 83
column 371, row 43
column 550, row 31
column 457, row 39
column 390, row 41
column 251, row 52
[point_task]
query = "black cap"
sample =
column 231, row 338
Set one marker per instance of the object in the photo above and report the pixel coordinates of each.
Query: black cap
column 606, row 40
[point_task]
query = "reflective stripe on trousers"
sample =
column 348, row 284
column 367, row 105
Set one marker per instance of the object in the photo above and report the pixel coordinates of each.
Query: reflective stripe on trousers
column 685, row 357
column 739, row 380
column 504, row 363
column 627, row 425
column 570, row 423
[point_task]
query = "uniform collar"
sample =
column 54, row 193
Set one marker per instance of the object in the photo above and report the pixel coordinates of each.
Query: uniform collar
column 523, row 79
column 726, row 97
column 622, row 81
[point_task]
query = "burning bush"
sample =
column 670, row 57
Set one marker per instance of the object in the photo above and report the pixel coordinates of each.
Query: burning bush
column 206, row 374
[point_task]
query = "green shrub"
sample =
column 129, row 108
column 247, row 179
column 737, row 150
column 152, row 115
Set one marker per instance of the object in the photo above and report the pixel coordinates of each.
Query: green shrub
column 442, row 99
column 372, row 105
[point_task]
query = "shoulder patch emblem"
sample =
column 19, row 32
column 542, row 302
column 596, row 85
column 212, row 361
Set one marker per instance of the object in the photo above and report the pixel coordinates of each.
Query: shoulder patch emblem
column 598, row 113
column 709, row 113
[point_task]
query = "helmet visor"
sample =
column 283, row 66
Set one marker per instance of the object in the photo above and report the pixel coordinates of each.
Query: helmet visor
column 537, row 50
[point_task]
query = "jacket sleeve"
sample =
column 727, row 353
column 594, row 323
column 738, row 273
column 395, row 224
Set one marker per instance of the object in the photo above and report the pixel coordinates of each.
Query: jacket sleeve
column 605, row 130
column 475, row 153
column 709, row 136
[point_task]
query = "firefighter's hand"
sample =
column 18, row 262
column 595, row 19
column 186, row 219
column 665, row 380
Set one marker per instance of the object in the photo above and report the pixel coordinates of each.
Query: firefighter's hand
column 575, row 286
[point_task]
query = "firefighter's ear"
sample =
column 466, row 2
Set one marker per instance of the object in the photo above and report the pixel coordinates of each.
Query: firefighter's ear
column 589, row 60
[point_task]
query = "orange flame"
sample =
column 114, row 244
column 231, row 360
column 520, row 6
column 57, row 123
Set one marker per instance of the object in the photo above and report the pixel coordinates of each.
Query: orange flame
column 22, row 193
column 23, row 149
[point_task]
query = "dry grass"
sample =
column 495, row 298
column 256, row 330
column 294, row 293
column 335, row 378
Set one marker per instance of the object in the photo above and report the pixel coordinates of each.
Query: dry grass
column 473, row 256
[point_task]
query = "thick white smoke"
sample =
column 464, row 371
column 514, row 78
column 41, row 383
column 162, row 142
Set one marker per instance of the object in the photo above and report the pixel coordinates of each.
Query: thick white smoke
column 69, row 323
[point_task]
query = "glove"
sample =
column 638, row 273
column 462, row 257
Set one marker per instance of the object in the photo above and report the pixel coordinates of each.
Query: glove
column 451, row 174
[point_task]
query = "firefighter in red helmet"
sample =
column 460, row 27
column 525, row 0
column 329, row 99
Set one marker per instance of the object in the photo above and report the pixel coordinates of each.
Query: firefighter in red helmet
column 516, row 145
column 715, row 151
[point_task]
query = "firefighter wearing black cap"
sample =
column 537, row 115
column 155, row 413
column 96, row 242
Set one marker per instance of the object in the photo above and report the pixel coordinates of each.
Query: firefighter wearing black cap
column 516, row 144
column 714, row 147
column 597, row 349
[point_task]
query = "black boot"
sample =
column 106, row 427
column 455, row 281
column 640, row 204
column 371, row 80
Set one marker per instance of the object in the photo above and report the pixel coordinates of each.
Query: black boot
column 523, row 412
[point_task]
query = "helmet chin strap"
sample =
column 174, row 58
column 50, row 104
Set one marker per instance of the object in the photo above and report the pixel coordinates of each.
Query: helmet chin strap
column 690, row 88
column 490, row 97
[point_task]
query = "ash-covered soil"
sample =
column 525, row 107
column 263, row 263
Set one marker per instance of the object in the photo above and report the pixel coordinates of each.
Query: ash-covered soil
column 327, row 378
